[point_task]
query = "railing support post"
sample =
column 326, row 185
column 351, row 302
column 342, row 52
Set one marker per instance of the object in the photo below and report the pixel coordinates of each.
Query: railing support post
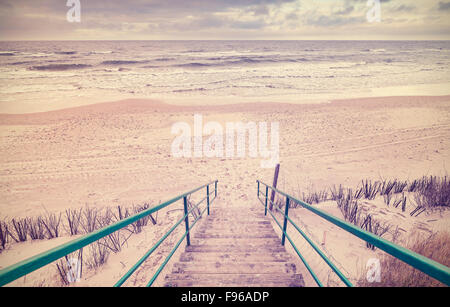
column 257, row 194
column 275, row 180
column 207, row 197
column 286, row 212
column 186, row 221
column 267, row 195
column 215, row 189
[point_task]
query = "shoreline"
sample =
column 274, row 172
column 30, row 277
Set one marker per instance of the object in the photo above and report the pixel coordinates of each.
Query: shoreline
column 143, row 104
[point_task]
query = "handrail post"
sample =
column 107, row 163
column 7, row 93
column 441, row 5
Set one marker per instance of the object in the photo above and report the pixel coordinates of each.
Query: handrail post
column 286, row 212
column 186, row 221
column 215, row 189
column 207, row 197
column 257, row 194
column 267, row 195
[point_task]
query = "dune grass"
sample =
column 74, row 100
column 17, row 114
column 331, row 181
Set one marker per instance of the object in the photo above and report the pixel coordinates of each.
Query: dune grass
column 414, row 197
column 73, row 222
column 396, row 273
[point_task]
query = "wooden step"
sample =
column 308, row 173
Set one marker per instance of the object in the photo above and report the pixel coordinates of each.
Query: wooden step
column 237, row 210
column 234, row 280
column 231, row 232
column 232, row 227
column 233, row 248
column 225, row 223
column 237, row 235
column 234, row 267
column 236, row 241
column 252, row 257
column 237, row 214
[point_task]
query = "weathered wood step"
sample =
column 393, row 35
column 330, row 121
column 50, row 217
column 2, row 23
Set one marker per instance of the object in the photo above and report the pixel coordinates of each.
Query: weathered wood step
column 233, row 248
column 237, row 235
column 234, row 267
column 235, row 213
column 237, row 241
column 238, row 210
column 234, row 227
column 224, row 222
column 236, row 223
column 234, row 280
column 230, row 231
column 252, row 257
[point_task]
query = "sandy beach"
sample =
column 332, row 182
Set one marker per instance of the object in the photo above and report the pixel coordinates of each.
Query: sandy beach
column 119, row 153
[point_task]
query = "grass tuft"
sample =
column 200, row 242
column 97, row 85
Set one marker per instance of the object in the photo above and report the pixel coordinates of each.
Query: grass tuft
column 396, row 273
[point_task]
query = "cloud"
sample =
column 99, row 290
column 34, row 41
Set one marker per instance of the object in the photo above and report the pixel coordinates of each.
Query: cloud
column 211, row 19
column 292, row 16
column 261, row 10
column 404, row 8
column 444, row 6
column 334, row 21
column 345, row 11
column 252, row 24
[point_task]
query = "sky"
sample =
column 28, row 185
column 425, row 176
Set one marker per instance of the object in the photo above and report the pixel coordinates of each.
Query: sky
column 225, row 20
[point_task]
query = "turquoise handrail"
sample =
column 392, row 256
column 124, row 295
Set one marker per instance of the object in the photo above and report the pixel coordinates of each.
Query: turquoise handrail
column 424, row 264
column 154, row 247
column 29, row 265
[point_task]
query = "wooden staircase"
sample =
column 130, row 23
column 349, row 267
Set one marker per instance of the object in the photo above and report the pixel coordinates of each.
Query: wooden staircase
column 235, row 247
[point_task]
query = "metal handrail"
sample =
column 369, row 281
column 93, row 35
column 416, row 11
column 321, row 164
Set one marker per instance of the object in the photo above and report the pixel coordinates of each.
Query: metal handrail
column 422, row 263
column 29, row 265
column 308, row 267
column 151, row 250
column 285, row 235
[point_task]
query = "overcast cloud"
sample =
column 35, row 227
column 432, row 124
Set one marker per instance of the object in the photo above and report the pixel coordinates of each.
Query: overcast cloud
column 224, row 19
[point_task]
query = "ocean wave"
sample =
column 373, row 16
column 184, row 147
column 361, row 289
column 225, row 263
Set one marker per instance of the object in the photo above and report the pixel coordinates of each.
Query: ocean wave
column 348, row 65
column 195, row 64
column 59, row 67
column 195, row 51
column 379, row 50
column 200, row 89
column 100, row 52
column 151, row 66
column 66, row 52
column 218, row 58
column 123, row 62
column 434, row 49
column 36, row 55
column 164, row 59
column 7, row 53
column 299, row 77
column 217, row 63
column 21, row 63
column 233, row 61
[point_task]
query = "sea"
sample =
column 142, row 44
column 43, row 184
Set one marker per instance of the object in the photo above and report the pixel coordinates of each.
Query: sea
column 44, row 75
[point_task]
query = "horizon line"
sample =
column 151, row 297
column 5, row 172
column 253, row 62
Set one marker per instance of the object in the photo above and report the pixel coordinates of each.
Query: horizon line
column 187, row 40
